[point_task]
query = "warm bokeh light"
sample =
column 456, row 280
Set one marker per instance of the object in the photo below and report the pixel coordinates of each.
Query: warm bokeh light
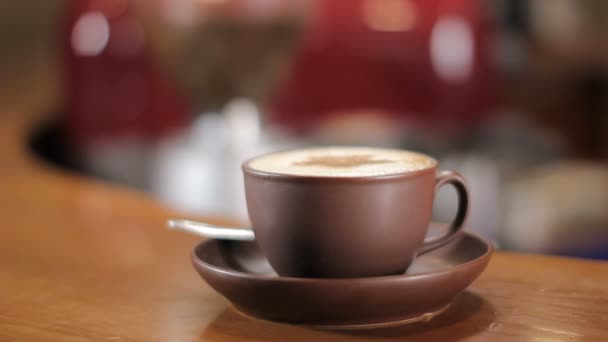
column 389, row 15
column 452, row 48
column 90, row 34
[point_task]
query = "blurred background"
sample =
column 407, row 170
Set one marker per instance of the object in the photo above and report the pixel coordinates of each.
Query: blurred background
column 171, row 96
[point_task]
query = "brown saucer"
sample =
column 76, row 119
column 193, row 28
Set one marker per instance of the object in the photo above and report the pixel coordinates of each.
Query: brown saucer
column 240, row 273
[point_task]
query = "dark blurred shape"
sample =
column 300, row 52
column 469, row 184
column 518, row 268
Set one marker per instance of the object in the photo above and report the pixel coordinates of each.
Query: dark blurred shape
column 221, row 50
column 516, row 15
column 593, row 95
column 561, row 86
column 50, row 142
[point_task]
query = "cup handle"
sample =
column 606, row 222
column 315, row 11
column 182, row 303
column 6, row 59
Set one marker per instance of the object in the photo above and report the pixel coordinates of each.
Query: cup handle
column 455, row 179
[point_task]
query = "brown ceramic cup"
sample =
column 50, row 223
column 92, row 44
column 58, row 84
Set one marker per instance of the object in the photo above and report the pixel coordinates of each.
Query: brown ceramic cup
column 336, row 227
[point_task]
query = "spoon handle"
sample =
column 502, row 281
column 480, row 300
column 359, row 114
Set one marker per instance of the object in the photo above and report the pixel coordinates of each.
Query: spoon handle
column 212, row 231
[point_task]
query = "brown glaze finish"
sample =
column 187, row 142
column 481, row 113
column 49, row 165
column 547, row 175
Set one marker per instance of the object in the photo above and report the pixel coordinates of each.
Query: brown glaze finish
column 240, row 273
column 325, row 227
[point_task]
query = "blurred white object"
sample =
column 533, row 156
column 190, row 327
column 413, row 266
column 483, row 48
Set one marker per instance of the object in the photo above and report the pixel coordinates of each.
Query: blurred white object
column 452, row 49
column 200, row 171
column 557, row 208
column 244, row 123
column 182, row 176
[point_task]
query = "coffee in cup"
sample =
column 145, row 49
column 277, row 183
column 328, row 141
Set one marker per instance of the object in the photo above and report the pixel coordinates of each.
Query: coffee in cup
column 341, row 162
column 346, row 211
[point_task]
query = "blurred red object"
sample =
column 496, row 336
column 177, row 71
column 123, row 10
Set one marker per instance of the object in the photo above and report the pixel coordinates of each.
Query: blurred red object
column 427, row 61
column 115, row 89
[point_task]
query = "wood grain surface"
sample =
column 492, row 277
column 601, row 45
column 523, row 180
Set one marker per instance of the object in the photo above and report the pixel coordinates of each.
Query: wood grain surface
column 85, row 260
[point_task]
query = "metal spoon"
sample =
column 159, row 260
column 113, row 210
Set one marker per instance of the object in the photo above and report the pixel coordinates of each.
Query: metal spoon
column 212, row 231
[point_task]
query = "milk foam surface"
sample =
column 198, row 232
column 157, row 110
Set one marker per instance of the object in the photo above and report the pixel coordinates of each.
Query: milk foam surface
column 342, row 162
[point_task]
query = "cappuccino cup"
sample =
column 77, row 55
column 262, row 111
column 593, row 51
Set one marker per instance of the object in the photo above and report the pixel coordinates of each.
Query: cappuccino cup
column 335, row 212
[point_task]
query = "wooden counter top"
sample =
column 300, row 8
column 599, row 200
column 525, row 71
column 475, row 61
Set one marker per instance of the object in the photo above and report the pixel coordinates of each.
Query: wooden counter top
column 85, row 260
